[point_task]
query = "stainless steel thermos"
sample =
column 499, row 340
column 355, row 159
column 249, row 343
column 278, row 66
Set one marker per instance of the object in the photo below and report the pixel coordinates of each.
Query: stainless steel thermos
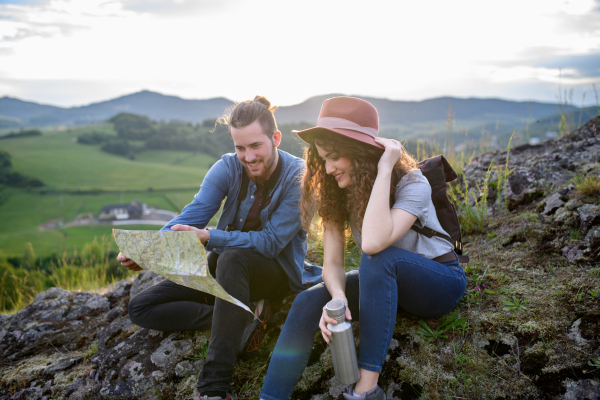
column 343, row 349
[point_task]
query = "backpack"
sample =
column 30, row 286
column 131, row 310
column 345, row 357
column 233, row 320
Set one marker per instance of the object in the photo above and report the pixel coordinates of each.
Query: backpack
column 438, row 171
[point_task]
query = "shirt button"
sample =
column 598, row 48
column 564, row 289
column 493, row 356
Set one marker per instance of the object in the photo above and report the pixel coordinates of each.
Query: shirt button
column 214, row 249
column 251, row 197
column 241, row 220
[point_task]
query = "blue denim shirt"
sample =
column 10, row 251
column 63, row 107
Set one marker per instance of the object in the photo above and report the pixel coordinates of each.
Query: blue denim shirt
column 281, row 237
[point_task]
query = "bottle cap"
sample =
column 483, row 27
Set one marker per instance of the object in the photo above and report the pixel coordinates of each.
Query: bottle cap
column 336, row 308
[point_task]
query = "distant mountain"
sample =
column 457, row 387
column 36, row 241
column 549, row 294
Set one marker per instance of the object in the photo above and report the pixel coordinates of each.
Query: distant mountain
column 397, row 118
column 154, row 105
column 392, row 112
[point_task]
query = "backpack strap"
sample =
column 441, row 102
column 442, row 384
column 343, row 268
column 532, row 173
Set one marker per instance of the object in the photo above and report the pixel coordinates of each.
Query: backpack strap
column 428, row 232
column 438, row 171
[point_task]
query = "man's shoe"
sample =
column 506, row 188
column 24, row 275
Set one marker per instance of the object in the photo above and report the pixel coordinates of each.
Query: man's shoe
column 198, row 397
column 376, row 393
column 255, row 331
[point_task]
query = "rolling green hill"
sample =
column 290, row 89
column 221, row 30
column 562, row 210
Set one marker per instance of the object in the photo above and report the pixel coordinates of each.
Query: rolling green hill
column 81, row 179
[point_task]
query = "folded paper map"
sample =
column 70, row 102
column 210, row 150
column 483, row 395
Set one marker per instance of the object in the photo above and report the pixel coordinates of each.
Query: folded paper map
column 176, row 255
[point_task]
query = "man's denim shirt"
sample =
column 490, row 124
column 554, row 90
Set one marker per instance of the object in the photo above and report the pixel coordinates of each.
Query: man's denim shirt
column 281, row 237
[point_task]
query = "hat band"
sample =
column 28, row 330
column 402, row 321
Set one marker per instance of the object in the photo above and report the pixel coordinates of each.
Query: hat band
column 341, row 123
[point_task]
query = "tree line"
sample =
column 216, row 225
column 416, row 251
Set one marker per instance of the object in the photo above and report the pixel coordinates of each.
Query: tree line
column 137, row 133
column 14, row 179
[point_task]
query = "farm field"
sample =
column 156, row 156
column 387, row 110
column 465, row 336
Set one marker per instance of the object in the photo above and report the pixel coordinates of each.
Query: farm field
column 81, row 179
column 61, row 163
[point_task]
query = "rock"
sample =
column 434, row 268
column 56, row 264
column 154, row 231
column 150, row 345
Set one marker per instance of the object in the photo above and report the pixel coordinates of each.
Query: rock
column 563, row 215
column 566, row 190
column 573, row 204
column 575, row 334
column 593, row 238
column 114, row 313
column 588, row 389
column 553, row 203
column 590, row 167
column 187, row 368
column 572, row 253
column 335, row 388
column 589, row 214
column 144, row 280
column 74, row 386
column 62, row 365
column 169, row 352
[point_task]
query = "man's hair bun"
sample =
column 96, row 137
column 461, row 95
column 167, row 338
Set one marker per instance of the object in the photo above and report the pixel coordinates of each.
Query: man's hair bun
column 263, row 100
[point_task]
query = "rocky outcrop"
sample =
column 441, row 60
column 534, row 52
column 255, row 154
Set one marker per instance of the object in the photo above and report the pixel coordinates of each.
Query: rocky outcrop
column 532, row 306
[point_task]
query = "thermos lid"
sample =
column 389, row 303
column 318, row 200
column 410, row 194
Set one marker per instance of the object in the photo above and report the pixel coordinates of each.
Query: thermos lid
column 335, row 308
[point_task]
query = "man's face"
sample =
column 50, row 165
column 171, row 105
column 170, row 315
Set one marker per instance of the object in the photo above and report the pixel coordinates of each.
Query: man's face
column 257, row 153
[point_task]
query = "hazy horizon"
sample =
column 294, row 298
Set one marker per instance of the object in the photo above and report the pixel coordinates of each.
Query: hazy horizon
column 300, row 102
column 76, row 52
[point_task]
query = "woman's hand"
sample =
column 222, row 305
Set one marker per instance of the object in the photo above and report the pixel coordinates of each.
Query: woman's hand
column 326, row 319
column 391, row 155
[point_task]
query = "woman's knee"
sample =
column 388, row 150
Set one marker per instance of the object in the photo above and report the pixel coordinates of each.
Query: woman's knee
column 376, row 265
column 310, row 302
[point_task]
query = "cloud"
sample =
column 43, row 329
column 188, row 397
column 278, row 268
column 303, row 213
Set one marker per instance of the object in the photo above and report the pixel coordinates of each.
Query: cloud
column 50, row 18
column 176, row 8
column 7, row 51
column 584, row 66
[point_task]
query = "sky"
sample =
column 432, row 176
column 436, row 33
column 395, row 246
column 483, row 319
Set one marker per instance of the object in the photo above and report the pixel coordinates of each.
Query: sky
column 76, row 52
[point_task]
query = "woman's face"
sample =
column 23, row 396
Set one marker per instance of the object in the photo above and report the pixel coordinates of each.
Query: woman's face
column 337, row 166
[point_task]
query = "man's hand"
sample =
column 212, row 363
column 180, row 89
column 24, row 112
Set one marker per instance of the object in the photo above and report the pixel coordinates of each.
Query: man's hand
column 202, row 234
column 127, row 263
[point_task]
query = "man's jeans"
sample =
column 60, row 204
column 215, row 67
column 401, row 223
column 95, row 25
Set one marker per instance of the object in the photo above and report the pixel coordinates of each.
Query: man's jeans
column 167, row 306
column 392, row 280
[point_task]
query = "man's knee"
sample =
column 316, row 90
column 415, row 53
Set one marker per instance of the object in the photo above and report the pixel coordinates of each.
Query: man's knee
column 135, row 308
column 233, row 262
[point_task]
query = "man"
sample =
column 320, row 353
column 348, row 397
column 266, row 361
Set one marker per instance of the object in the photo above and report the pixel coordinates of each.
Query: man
column 256, row 252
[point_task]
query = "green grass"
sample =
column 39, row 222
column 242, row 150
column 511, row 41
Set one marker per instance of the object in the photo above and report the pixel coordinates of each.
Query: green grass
column 61, row 163
column 90, row 269
column 66, row 166
column 23, row 212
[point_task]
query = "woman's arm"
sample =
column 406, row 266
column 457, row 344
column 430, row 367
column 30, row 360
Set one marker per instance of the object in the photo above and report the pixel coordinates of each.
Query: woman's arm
column 383, row 226
column 334, row 275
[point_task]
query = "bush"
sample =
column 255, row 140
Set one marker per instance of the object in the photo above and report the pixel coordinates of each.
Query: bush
column 93, row 138
column 133, row 126
column 118, row 146
column 29, row 133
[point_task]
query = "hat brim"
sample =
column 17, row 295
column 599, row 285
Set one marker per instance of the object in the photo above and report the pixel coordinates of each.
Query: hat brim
column 308, row 135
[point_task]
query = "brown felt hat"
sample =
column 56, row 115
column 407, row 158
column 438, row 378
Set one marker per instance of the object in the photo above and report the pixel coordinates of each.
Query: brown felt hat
column 348, row 116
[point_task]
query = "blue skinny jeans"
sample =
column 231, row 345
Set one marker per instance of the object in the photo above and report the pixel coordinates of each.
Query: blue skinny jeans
column 392, row 280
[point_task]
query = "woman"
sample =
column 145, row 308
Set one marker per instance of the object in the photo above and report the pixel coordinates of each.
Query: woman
column 356, row 179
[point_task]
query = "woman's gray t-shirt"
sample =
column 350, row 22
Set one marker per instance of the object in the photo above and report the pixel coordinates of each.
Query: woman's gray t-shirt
column 413, row 194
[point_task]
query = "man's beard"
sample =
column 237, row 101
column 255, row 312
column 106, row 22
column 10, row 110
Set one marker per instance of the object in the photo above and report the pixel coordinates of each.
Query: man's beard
column 267, row 164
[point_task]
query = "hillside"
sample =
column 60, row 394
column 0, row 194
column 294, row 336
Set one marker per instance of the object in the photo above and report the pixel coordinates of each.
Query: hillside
column 80, row 179
column 532, row 307
column 399, row 119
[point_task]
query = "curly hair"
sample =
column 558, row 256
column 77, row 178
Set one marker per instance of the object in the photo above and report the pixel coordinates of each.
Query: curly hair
column 321, row 193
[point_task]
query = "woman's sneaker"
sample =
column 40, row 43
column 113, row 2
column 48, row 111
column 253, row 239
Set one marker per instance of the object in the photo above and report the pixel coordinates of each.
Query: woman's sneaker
column 255, row 331
column 198, row 397
column 376, row 393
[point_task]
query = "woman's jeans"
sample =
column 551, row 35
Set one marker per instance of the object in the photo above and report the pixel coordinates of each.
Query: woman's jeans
column 392, row 280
